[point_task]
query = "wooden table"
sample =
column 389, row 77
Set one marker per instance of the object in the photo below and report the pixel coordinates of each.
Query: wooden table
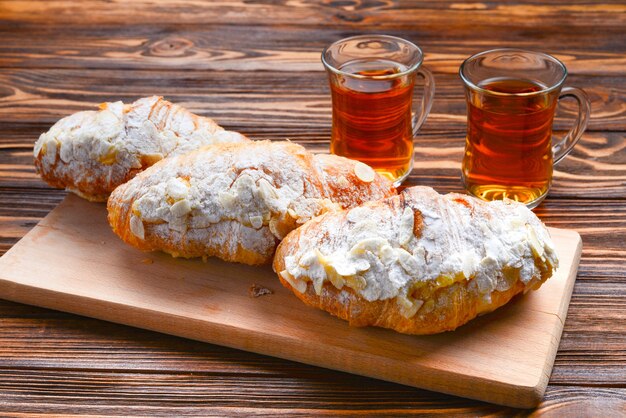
column 254, row 67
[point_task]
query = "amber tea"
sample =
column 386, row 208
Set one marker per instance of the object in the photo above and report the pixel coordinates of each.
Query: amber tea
column 509, row 142
column 512, row 96
column 371, row 80
column 372, row 119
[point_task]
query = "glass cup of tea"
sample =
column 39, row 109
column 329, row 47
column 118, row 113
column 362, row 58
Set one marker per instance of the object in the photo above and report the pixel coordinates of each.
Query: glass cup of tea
column 372, row 78
column 511, row 101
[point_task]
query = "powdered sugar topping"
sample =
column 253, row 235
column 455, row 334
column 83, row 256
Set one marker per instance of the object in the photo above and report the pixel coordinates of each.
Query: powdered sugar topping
column 106, row 145
column 374, row 248
column 270, row 187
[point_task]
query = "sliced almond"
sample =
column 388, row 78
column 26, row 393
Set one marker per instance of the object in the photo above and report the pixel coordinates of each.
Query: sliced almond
column 356, row 282
column 66, row 152
column 180, row 208
column 535, row 245
column 51, row 147
column 150, row 130
column 256, row 222
column 267, row 191
column 227, row 200
column 368, row 244
column 317, row 286
column 364, row 172
column 117, row 108
column 200, row 221
column 408, row 263
column 297, row 284
column 308, row 259
column 408, row 307
column 177, row 188
column 405, row 232
column 336, row 279
column 49, row 152
column 38, row 146
column 292, row 213
column 136, row 227
column 387, row 254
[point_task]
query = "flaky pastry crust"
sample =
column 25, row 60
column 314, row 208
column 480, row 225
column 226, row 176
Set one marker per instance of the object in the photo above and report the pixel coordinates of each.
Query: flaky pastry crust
column 235, row 201
column 90, row 153
column 418, row 262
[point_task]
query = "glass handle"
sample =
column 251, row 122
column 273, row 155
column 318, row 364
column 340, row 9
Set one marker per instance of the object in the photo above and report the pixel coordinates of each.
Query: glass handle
column 565, row 145
column 427, row 100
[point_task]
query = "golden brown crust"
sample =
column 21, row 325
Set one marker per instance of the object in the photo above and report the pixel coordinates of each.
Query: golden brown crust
column 345, row 187
column 119, row 217
column 94, row 189
column 445, row 307
column 347, row 305
column 280, row 184
column 90, row 153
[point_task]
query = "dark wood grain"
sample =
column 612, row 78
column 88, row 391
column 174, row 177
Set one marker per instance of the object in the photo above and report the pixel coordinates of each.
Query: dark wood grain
column 219, row 47
column 254, row 67
column 322, row 13
column 286, row 102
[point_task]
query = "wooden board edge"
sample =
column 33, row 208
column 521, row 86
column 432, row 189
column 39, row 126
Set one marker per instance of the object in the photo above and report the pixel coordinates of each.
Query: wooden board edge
column 535, row 396
column 528, row 396
column 496, row 391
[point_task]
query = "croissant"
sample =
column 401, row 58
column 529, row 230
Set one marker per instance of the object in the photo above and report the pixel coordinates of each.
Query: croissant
column 90, row 153
column 417, row 262
column 236, row 201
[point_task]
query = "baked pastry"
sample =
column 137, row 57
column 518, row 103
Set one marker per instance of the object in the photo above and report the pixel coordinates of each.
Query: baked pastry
column 418, row 262
column 90, row 153
column 236, row 201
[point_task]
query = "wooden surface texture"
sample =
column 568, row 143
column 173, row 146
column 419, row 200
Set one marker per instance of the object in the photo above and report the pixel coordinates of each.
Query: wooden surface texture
column 254, row 67
column 102, row 277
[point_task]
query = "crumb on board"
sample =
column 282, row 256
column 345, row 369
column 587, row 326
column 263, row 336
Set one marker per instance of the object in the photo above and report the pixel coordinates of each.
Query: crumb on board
column 256, row 290
column 147, row 261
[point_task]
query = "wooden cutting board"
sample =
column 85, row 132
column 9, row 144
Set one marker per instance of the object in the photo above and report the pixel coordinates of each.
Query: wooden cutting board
column 72, row 262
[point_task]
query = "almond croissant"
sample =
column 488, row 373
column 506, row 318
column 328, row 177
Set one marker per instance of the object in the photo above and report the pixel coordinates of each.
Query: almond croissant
column 418, row 262
column 92, row 152
column 236, row 201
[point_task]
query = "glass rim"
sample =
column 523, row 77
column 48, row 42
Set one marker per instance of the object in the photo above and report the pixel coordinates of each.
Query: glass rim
column 408, row 71
column 547, row 89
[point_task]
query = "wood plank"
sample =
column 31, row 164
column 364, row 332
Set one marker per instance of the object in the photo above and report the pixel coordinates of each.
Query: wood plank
column 267, row 101
column 72, row 392
column 98, row 277
column 33, row 203
column 286, row 49
column 318, row 13
column 207, row 394
column 577, row 401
